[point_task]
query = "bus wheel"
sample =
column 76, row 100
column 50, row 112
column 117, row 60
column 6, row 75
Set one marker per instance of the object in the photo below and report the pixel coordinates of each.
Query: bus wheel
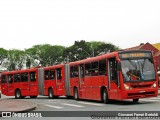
column 135, row 100
column 105, row 96
column 76, row 97
column 50, row 93
column 18, row 94
column 33, row 96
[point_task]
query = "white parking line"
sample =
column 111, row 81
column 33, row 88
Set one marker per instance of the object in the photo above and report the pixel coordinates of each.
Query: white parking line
column 73, row 105
column 87, row 103
column 52, row 106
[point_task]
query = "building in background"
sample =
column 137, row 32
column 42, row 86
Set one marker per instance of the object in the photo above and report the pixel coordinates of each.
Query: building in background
column 155, row 48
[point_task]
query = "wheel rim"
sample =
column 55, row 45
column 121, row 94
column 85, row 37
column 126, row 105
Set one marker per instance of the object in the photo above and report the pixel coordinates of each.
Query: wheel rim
column 18, row 94
column 104, row 96
column 50, row 94
column 76, row 94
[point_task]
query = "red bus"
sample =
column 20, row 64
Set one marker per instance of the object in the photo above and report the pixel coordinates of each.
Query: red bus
column 48, row 81
column 104, row 77
column 51, row 82
column 118, row 75
column 20, row 83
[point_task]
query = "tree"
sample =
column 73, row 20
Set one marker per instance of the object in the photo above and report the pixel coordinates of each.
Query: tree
column 82, row 50
column 3, row 55
column 78, row 51
column 15, row 59
column 44, row 55
column 105, row 48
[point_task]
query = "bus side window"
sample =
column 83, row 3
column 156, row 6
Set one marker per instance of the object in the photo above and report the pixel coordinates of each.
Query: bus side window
column 88, row 69
column 95, row 69
column 102, row 67
column 32, row 76
column 17, row 77
column 59, row 74
column 4, row 80
column 74, row 71
column 24, row 77
column 52, row 74
column 82, row 71
column 10, row 78
column 46, row 74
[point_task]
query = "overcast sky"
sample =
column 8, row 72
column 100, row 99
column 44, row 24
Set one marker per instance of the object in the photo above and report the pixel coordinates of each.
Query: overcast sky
column 125, row 23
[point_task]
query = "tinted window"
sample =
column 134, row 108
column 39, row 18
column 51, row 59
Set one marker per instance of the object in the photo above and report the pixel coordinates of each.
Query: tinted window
column 94, row 69
column 10, row 78
column 102, row 67
column 17, row 78
column 46, row 75
column 59, row 73
column 74, row 71
column 24, row 77
column 4, row 79
column 52, row 74
column 33, row 76
column 88, row 69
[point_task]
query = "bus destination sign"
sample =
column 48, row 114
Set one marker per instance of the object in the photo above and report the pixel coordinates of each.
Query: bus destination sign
column 134, row 55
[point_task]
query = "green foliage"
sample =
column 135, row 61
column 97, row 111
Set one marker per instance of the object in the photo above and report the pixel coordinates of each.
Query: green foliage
column 47, row 55
column 82, row 50
column 15, row 59
column 3, row 55
column 44, row 55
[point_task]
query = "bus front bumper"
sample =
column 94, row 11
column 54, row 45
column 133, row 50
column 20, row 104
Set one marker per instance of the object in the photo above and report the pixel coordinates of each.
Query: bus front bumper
column 139, row 93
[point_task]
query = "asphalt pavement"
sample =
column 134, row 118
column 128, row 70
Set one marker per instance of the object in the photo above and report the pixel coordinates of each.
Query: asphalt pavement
column 25, row 105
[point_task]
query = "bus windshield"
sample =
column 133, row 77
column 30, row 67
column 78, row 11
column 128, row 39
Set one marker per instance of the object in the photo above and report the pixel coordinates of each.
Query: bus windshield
column 138, row 69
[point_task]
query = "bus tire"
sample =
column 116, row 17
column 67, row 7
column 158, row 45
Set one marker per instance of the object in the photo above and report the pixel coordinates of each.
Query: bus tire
column 76, row 97
column 50, row 93
column 18, row 94
column 135, row 100
column 33, row 96
column 105, row 97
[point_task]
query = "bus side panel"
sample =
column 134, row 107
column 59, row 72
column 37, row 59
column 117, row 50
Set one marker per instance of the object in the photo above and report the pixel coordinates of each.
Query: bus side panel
column 4, row 88
column 11, row 89
column 97, row 83
column 73, row 83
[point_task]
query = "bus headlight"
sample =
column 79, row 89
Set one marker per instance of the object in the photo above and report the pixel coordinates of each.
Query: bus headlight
column 154, row 85
column 127, row 87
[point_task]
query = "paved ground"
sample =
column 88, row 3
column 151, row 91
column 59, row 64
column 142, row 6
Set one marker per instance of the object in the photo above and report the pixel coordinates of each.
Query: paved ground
column 16, row 105
column 42, row 103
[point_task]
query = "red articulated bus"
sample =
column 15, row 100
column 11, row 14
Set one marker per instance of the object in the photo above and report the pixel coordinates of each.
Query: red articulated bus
column 47, row 81
column 104, row 77
column 118, row 75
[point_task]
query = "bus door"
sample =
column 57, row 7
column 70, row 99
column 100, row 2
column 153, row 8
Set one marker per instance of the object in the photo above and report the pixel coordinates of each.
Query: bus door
column 113, row 86
column 10, row 85
column 25, row 84
column 4, row 85
column 59, row 81
column 33, row 83
column 81, row 81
